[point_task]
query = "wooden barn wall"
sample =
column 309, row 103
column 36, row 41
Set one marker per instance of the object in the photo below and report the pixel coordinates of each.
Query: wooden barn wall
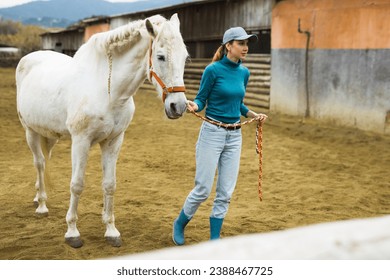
column 65, row 42
column 203, row 24
column 348, row 61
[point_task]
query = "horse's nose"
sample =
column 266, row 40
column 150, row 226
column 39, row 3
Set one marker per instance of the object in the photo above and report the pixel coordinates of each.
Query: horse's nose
column 173, row 107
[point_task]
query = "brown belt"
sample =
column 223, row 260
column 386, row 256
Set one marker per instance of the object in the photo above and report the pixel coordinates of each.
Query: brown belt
column 223, row 125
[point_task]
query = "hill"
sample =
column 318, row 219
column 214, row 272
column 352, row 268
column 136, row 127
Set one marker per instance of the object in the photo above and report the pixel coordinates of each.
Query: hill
column 62, row 13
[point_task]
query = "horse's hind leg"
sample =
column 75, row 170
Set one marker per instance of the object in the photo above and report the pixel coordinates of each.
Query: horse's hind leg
column 110, row 151
column 47, row 145
column 34, row 143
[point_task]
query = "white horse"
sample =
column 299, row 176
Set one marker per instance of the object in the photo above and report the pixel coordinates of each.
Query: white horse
column 89, row 98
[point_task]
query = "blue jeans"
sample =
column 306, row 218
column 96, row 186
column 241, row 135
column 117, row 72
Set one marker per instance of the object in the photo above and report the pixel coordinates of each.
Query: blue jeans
column 216, row 148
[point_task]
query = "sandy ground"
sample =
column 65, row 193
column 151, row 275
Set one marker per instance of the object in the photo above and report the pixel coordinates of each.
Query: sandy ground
column 313, row 173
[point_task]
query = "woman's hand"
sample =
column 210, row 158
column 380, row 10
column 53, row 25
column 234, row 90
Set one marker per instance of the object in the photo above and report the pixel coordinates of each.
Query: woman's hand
column 192, row 106
column 261, row 117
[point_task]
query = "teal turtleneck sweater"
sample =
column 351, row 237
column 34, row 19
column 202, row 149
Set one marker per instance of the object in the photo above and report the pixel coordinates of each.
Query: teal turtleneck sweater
column 222, row 90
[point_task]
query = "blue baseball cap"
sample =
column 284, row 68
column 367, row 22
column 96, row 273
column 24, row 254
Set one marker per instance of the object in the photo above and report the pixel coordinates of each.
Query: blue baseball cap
column 236, row 33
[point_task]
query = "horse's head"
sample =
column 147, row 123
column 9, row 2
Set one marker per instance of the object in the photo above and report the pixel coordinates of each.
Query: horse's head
column 167, row 57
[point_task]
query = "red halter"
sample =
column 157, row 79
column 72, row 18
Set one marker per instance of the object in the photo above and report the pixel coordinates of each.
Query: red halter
column 165, row 89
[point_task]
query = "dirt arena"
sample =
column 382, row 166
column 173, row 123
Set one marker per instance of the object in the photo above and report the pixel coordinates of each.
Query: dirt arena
column 313, row 173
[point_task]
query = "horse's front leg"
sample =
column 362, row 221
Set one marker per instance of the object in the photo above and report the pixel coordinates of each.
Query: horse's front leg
column 110, row 151
column 80, row 149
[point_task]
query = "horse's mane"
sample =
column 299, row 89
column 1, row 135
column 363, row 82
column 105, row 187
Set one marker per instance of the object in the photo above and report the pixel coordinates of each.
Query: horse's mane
column 119, row 38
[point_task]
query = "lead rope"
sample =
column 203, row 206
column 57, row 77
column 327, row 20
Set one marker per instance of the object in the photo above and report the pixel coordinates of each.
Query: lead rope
column 259, row 143
column 259, row 151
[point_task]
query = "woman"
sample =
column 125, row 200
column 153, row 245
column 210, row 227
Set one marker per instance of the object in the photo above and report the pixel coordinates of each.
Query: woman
column 222, row 90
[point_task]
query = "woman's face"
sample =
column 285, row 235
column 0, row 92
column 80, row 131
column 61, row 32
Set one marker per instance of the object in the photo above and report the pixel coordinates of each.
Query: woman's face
column 237, row 50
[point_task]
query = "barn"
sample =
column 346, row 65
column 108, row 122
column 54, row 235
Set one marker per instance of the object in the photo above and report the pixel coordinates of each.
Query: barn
column 69, row 40
column 329, row 58
column 204, row 22
column 331, row 61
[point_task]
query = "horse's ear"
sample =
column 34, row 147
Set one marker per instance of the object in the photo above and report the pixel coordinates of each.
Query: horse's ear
column 175, row 19
column 150, row 28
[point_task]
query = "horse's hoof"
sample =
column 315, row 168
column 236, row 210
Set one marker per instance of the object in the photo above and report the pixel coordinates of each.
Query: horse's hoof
column 74, row 242
column 42, row 211
column 114, row 241
column 42, row 215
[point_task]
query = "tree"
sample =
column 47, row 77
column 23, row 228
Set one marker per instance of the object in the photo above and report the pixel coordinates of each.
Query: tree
column 24, row 37
column 8, row 27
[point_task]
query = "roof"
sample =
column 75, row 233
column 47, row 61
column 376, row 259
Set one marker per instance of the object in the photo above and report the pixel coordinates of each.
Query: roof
column 80, row 25
column 162, row 9
column 9, row 50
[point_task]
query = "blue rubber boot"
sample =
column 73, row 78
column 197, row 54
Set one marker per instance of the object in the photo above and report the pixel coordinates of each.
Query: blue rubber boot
column 178, row 228
column 215, row 228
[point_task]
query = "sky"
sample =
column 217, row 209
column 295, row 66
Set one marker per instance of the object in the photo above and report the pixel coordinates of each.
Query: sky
column 10, row 3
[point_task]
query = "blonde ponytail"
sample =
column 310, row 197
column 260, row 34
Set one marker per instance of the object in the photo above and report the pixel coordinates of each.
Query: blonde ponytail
column 219, row 53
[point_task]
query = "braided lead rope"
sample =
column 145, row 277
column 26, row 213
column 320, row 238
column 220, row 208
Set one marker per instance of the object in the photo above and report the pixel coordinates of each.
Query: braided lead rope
column 259, row 151
column 259, row 142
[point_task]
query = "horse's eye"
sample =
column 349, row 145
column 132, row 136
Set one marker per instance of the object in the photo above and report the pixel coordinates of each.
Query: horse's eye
column 161, row 57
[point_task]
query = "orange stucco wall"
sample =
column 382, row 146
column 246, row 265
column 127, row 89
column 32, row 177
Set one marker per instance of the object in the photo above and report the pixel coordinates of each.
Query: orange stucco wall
column 93, row 29
column 333, row 24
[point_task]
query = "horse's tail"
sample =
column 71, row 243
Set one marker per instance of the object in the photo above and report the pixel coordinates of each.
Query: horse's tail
column 23, row 68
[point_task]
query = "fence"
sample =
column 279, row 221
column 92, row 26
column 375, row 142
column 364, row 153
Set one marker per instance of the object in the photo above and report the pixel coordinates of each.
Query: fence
column 9, row 59
column 258, row 88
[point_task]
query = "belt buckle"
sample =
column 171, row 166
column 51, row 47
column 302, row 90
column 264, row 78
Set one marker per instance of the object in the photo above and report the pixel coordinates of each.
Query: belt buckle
column 236, row 126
